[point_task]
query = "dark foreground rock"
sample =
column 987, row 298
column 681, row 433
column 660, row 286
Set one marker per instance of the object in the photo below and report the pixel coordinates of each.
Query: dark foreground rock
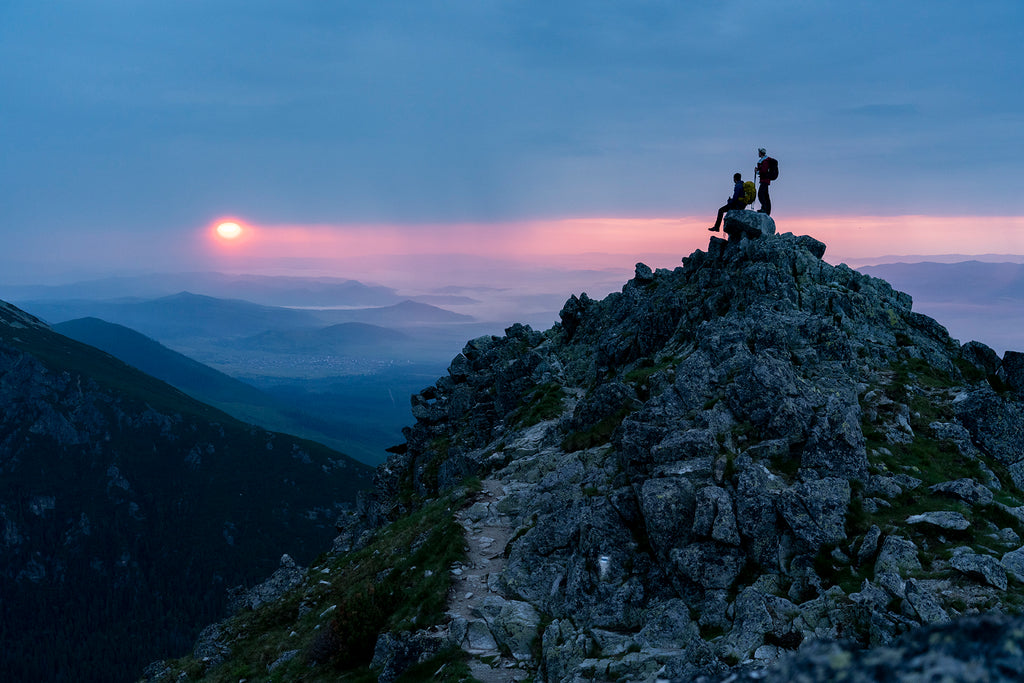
column 987, row 649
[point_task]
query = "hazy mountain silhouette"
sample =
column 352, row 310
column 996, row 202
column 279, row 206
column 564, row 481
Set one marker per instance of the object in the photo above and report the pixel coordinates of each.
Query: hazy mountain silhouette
column 405, row 313
column 263, row 289
column 180, row 315
column 188, row 315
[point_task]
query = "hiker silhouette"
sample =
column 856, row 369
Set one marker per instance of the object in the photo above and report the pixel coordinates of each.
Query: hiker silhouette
column 735, row 203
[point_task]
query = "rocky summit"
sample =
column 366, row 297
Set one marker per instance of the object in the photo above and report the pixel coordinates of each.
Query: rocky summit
column 752, row 454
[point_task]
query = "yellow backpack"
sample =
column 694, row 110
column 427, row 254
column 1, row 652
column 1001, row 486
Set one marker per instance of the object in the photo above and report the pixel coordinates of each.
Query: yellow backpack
column 749, row 192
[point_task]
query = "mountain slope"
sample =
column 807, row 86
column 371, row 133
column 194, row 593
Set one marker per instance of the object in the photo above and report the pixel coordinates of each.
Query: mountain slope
column 241, row 400
column 182, row 315
column 129, row 508
column 711, row 467
column 157, row 360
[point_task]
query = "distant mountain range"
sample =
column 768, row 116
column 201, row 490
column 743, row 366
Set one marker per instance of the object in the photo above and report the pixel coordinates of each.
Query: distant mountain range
column 190, row 316
column 263, row 289
column 399, row 315
column 128, row 508
column 967, row 281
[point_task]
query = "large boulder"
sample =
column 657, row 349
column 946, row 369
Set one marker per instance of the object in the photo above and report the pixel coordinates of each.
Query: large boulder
column 1012, row 371
column 749, row 224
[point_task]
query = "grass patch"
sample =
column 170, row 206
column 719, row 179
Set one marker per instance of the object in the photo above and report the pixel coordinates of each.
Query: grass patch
column 599, row 434
column 640, row 376
column 968, row 371
column 447, row 666
column 399, row 581
column 543, row 403
column 931, row 460
column 920, row 372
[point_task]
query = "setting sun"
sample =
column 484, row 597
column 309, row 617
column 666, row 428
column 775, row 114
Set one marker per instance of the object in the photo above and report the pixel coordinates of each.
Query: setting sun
column 229, row 230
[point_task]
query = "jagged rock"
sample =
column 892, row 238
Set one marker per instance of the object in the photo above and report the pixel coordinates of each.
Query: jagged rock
column 1012, row 371
column 396, row 652
column 873, row 597
column 663, row 502
column 668, row 626
column 984, row 567
column 287, row 576
column 987, row 649
column 966, row 490
column 513, row 624
column 897, row 555
column 996, row 425
column 980, row 356
column 812, row 245
column 605, row 401
column 210, row 647
column 958, row 434
column 869, row 546
column 758, row 492
column 709, row 564
column 563, row 649
column 943, row 519
column 816, row 510
column 835, row 445
column 479, row 638
column 644, row 274
column 714, row 516
column 924, row 603
column 753, row 620
column 1013, row 563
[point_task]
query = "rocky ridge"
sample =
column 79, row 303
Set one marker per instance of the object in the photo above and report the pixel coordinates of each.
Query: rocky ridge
column 722, row 463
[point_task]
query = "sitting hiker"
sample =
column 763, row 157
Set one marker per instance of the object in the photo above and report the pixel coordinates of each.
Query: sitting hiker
column 735, row 203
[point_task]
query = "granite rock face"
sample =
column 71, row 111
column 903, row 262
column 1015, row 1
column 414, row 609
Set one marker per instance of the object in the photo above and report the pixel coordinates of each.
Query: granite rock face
column 731, row 443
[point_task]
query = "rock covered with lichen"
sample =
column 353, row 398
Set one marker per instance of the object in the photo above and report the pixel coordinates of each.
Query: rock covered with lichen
column 726, row 460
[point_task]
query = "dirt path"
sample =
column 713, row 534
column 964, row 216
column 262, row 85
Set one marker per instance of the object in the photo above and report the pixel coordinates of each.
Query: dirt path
column 487, row 533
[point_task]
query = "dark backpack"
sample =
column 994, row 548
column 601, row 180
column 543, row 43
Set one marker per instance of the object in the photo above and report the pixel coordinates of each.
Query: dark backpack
column 773, row 169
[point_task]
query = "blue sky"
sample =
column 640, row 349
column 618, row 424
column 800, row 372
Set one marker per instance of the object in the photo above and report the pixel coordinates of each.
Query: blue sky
column 147, row 120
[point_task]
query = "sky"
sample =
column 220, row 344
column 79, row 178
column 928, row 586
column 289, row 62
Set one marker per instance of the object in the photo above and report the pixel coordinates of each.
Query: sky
column 343, row 136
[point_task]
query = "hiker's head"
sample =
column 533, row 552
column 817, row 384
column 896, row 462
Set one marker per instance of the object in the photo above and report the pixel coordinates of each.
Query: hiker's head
column 761, row 151
column 737, row 177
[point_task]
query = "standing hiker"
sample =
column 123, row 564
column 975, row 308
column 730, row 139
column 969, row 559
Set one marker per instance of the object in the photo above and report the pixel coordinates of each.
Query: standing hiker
column 736, row 202
column 766, row 170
